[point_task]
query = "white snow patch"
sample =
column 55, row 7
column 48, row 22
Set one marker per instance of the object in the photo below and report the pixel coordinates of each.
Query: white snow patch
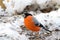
column 10, row 32
column 16, row 5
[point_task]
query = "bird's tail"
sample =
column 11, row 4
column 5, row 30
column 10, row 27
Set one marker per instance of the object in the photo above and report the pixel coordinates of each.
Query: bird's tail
column 44, row 27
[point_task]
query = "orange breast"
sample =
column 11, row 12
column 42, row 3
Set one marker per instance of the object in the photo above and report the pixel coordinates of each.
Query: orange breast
column 29, row 23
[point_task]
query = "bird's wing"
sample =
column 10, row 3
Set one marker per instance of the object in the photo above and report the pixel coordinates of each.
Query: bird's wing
column 36, row 21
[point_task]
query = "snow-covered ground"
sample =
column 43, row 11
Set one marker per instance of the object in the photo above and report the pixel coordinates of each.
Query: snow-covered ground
column 12, row 25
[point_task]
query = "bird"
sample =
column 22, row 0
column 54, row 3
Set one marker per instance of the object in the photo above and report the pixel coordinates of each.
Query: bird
column 31, row 23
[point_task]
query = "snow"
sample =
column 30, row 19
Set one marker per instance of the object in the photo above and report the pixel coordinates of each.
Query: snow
column 1, row 13
column 6, row 30
column 10, row 31
column 10, row 26
column 12, row 6
column 23, row 4
column 41, row 1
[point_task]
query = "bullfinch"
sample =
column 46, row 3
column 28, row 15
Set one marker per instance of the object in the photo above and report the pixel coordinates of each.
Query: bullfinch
column 32, row 23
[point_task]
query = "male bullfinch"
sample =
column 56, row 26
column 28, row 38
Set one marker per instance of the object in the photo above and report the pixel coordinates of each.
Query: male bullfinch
column 32, row 23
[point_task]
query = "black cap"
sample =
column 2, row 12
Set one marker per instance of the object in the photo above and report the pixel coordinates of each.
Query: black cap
column 27, row 14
